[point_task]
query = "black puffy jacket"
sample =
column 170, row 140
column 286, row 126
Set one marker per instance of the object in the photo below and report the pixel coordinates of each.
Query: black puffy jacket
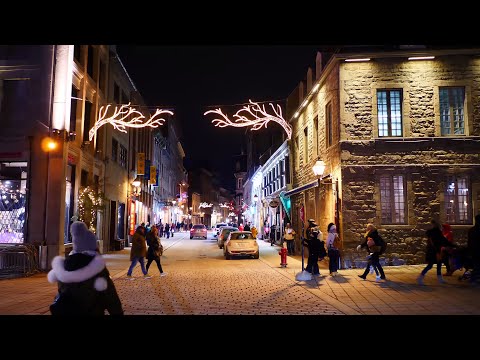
column 84, row 285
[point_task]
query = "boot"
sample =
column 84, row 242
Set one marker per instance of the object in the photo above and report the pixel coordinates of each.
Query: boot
column 440, row 279
column 420, row 279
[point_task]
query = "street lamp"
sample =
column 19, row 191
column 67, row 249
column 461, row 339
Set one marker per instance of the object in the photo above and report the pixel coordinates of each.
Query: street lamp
column 136, row 182
column 318, row 168
column 255, row 198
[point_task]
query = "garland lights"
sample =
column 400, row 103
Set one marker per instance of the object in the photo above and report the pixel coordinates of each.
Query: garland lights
column 86, row 195
column 120, row 114
column 205, row 205
column 260, row 117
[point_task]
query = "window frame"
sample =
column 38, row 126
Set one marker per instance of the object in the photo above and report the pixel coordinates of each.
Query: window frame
column 389, row 112
column 328, row 125
column 451, row 112
column 391, row 218
column 456, row 202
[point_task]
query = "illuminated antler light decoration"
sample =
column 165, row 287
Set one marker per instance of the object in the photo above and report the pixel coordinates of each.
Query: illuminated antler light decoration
column 205, row 205
column 224, row 205
column 261, row 117
column 119, row 122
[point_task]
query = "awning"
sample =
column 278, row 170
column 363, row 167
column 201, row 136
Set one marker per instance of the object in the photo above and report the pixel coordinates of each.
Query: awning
column 301, row 188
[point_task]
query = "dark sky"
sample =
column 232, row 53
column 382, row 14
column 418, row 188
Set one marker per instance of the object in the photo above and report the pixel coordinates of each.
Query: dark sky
column 192, row 78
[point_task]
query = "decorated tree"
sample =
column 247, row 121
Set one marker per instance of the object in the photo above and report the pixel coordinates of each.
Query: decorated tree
column 90, row 200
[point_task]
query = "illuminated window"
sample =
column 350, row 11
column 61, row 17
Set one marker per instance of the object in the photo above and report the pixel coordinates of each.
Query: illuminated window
column 458, row 201
column 114, row 149
column 393, row 199
column 452, row 120
column 389, row 106
column 328, row 125
column 305, row 145
column 123, row 156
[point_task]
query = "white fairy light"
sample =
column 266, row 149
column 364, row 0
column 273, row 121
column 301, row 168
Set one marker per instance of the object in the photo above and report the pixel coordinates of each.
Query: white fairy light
column 205, row 205
column 118, row 119
column 260, row 117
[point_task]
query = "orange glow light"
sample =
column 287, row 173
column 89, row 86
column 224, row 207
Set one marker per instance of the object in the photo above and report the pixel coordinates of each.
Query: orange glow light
column 48, row 144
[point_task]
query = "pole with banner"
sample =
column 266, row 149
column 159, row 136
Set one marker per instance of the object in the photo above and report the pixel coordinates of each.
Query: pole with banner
column 140, row 163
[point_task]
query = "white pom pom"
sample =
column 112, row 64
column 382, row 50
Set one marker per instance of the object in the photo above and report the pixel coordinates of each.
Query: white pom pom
column 52, row 277
column 100, row 284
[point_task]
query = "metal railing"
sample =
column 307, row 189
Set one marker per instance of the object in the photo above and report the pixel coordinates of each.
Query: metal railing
column 17, row 260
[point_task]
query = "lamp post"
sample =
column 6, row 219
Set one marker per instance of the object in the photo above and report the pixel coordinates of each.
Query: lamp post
column 255, row 200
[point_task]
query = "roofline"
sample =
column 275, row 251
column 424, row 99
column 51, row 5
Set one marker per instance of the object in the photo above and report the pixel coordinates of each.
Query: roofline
column 336, row 58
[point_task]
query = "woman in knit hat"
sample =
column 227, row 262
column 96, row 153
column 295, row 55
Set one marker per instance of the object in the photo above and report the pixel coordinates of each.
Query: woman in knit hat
column 84, row 283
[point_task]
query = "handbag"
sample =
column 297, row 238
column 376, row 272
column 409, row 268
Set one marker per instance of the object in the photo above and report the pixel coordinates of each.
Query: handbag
column 160, row 250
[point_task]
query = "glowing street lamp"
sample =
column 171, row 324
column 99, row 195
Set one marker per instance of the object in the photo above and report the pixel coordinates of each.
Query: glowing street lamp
column 318, row 168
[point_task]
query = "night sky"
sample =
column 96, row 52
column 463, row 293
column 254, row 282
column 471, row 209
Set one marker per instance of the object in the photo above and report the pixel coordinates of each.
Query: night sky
column 193, row 78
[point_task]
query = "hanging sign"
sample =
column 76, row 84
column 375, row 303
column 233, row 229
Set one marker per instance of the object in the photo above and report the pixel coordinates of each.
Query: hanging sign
column 274, row 203
column 153, row 175
column 140, row 163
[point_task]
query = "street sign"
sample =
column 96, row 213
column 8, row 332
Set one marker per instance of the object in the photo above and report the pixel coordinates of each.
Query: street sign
column 140, row 163
column 274, row 203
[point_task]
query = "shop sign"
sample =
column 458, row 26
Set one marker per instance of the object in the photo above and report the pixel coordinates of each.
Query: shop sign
column 274, row 203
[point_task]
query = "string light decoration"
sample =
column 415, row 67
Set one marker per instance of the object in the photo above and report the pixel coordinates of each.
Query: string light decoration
column 260, row 117
column 120, row 114
column 224, row 205
column 205, row 205
column 89, row 201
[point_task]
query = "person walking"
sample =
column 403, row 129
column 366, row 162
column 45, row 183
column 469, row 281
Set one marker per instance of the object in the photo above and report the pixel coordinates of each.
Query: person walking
column 254, row 232
column 376, row 246
column 433, row 253
column 84, row 283
column 314, row 245
column 155, row 250
column 333, row 246
column 167, row 230
column 447, row 252
column 138, row 252
column 290, row 238
column 247, row 227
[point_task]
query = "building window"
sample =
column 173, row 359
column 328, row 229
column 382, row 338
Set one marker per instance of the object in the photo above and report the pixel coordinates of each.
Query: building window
column 305, row 145
column 116, row 93
column 389, row 107
column 452, row 119
column 239, row 183
column 73, row 109
column 315, row 136
column 86, row 120
column 114, row 149
column 393, row 199
column 297, row 153
column 84, row 178
column 123, row 156
column 458, row 201
column 90, row 61
column 328, row 125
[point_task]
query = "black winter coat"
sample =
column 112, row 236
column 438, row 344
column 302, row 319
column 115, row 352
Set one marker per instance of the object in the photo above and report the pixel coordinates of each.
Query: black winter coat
column 153, row 248
column 435, row 242
column 376, row 238
column 86, row 282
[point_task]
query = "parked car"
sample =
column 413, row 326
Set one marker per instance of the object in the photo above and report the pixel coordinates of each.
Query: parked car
column 224, row 232
column 217, row 228
column 198, row 230
column 241, row 243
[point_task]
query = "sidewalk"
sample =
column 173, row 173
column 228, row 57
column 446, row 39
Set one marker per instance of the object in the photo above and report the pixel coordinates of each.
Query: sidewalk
column 398, row 295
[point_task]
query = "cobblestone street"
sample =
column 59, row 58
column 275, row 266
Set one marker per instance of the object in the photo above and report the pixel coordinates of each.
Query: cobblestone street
column 200, row 281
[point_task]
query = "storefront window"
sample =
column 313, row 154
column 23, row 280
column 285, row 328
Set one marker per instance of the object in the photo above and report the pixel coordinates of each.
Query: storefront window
column 13, row 202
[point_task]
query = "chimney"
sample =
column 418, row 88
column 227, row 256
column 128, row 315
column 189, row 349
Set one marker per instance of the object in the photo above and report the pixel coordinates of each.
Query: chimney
column 309, row 79
column 318, row 64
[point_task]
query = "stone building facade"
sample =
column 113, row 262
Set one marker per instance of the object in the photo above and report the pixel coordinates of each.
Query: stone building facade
column 401, row 142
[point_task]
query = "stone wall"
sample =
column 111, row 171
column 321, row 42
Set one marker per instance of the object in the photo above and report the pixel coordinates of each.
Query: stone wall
column 421, row 155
